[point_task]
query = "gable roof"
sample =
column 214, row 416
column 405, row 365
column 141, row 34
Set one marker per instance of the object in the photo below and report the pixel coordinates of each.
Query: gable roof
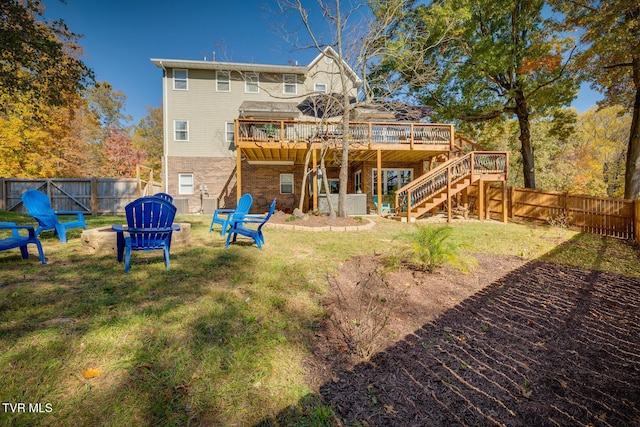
column 330, row 52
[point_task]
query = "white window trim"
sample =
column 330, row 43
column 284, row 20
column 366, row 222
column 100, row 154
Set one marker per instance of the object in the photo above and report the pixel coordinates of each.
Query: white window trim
column 180, row 186
column 316, row 89
column 186, row 79
column 218, row 80
column 175, row 130
column 289, row 84
column 229, row 136
column 249, row 84
column 287, row 175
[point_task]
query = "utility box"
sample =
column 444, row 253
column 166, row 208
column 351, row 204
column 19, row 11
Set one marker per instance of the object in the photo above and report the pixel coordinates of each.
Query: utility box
column 209, row 204
column 182, row 206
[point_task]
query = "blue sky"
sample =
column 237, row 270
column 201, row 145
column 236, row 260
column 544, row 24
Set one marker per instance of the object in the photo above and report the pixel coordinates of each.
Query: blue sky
column 121, row 36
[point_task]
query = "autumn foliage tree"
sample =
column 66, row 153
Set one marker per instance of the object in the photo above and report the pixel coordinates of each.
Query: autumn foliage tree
column 486, row 59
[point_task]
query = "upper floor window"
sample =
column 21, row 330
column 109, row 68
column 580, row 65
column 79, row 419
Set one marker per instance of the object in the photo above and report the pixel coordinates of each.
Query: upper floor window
column 223, row 81
column 289, row 84
column 229, row 131
column 180, row 130
column 180, row 78
column 320, row 87
column 251, row 83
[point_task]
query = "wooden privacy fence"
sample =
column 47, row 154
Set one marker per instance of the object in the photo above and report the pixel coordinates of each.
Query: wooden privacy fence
column 91, row 195
column 599, row 215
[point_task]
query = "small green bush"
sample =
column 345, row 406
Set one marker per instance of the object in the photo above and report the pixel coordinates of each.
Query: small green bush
column 433, row 246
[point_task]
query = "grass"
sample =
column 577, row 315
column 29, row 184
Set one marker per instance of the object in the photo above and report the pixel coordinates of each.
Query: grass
column 219, row 339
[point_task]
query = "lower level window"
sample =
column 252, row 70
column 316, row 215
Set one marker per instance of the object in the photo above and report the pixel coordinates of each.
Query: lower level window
column 286, row 183
column 392, row 179
column 185, row 183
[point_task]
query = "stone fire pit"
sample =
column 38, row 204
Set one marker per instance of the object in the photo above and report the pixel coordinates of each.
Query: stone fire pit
column 103, row 240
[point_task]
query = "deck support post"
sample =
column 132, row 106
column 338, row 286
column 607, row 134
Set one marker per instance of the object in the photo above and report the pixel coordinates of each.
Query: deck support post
column 238, row 174
column 505, row 212
column 449, row 204
column 314, row 185
column 481, row 200
column 379, row 187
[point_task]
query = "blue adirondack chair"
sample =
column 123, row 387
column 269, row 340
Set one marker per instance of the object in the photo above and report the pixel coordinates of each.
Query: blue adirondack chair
column 222, row 216
column 164, row 196
column 39, row 207
column 149, row 228
column 385, row 206
column 238, row 224
column 17, row 240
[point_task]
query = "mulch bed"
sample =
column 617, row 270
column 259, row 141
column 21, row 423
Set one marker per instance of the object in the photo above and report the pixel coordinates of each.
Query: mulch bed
column 543, row 345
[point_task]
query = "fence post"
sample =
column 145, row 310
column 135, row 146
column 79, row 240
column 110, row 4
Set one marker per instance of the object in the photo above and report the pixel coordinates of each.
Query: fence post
column 95, row 205
column 636, row 219
column 3, row 195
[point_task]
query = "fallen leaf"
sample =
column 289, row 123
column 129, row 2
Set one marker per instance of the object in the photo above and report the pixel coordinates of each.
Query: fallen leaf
column 90, row 373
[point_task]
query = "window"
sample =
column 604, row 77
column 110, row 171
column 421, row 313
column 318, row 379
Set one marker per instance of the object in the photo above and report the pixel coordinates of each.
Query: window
column 320, row 87
column 289, row 84
column 185, row 183
column 357, row 178
column 180, row 80
column 334, row 186
column 251, row 83
column 229, row 131
column 180, row 130
column 286, row 183
column 223, row 81
column 392, row 179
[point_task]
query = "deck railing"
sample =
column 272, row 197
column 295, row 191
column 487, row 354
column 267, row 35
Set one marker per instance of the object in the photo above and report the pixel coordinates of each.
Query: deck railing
column 359, row 133
column 449, row 173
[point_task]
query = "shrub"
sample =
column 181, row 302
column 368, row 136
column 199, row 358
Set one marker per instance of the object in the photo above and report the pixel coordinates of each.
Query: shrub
column 433, row 246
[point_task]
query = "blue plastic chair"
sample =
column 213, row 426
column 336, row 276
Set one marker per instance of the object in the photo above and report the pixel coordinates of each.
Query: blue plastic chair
column 238, row 226
column 385, row 206
column 222, row 216
column 17, row 240
column 164, row 196
column 39, row 207
column 149, row 227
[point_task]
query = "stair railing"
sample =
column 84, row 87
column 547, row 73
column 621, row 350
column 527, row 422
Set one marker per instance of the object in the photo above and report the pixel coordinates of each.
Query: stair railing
column 449, row 173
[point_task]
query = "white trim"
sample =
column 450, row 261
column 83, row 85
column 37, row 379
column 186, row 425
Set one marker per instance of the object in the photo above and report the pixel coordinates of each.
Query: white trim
column 186, row 79
column 286, row 84
column 180, row 186
column 249, row 84
column 292, row 182
column 175, row 130
column 218, row 81
column 316, row 90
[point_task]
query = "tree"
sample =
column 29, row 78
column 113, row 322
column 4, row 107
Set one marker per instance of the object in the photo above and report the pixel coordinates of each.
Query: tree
column 492, row 59
column 39, row 60
column 611, row 61
column 147, row 137
column 121, row 157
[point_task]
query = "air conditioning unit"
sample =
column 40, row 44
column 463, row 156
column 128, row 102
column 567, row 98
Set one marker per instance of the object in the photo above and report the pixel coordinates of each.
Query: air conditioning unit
column 182, row 206
column 209, row 204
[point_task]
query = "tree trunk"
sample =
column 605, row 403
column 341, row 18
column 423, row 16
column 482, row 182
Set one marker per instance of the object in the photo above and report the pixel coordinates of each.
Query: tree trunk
column 526, row 149
column 344, row 166
column 305, row 176
column 632, row 172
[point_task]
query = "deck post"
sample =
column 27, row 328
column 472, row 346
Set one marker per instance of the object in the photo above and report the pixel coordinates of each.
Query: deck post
column 379, row 188
column 238, row 174
column 481, row 200
column 314, row 185
column 505, row 210
column 449, row 194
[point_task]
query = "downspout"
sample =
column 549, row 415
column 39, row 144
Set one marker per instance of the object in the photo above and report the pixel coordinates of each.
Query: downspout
column 165, row 115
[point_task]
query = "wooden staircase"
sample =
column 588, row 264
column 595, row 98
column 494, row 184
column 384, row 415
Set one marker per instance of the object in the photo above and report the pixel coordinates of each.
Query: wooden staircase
column 435, row 187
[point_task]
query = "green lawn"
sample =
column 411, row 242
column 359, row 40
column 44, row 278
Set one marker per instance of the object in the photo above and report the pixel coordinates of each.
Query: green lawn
column 220, row 338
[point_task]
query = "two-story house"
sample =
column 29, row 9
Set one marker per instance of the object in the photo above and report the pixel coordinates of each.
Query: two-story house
column 233, row 128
